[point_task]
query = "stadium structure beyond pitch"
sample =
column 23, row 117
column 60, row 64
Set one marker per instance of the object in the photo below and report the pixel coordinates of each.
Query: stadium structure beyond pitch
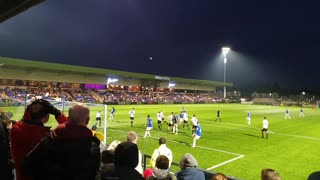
column 19, row 69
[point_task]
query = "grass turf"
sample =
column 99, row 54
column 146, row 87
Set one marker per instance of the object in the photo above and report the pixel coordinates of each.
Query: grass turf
column 292, row 148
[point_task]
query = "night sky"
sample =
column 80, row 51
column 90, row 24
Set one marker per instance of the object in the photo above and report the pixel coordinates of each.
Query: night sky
column 271, row 41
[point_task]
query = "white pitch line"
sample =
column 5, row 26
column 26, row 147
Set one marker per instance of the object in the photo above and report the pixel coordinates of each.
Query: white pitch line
column 247, row 126
column 218, row 150
column 298, row 136
column 207, row 148
column 226, row 162
column 237, row 128
column 271, row 132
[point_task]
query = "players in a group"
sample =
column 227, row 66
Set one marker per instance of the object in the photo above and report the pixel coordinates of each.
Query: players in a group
column 132, row 113
column 175, row 120
column 265, row 126
column 112, row 111
column 218, row 115
column 159, row 121
column 181, row 117
column 197, row 135
column 162, row 115
column 301, row 112
column 287, row 115
column 194, row 121
column 149, row 127
column 185, row 120
column 98, row 118
column 170, row 125
column 249, row 117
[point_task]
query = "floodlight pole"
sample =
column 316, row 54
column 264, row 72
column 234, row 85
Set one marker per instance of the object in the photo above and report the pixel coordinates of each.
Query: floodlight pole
column 225, row 51
column 224, row 77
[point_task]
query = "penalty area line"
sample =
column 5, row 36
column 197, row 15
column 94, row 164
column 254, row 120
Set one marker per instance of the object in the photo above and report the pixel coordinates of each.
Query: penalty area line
column 184, row 143
column 226, row 162
column 239, row 156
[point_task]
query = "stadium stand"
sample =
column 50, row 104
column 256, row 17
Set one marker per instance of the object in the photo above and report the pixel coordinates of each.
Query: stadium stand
column 14, row 93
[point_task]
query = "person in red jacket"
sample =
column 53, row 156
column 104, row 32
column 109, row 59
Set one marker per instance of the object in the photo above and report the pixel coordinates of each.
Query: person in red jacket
column 70, row 152
column 28, row 132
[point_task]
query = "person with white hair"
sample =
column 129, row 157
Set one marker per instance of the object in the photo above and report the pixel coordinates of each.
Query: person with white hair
column 133, row 137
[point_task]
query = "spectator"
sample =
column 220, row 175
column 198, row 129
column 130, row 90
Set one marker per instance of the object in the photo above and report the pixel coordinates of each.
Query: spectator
column 160, row 171
column 69, row 152
column 125, row 161
column 148, row 172
column 269, row 174
column 107, row 169
column 132, row 137
column 189, row 170
column 314, row 176
column 162, row 150
column 6, row 164
column 97, row 134
column 219, row 176
column 26, row 133
column 113, row 145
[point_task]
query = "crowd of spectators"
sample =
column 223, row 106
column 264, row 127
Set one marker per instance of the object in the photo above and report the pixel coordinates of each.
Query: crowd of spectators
column 103, row 96
column 150, row 97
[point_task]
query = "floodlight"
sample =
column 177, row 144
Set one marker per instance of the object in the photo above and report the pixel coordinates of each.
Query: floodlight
column 225, row 50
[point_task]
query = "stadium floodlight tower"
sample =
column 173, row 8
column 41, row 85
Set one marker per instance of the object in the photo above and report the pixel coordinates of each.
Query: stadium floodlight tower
column 225, row 51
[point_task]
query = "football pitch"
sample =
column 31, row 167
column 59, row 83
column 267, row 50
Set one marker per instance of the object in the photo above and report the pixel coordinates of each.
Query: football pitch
column 232, row 146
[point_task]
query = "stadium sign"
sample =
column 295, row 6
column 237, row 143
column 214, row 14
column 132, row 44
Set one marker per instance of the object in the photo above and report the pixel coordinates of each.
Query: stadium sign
column 171, row 84
column 162, row 78
column 111, row 80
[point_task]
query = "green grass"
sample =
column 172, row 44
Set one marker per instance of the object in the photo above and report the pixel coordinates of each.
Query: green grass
column 292, row 149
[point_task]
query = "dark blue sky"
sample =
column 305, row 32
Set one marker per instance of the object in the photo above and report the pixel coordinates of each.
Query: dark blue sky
column 272, row 41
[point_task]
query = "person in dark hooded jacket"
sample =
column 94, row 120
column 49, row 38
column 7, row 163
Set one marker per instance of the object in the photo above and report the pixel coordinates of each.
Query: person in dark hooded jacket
column 126, row 160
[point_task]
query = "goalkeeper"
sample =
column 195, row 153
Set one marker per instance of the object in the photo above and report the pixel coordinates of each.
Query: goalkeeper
column 27, row 132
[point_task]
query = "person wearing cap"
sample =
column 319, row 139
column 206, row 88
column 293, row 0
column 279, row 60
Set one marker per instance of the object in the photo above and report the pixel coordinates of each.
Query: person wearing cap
column 69, row 152
column 27, row 132
column 160, row 171
column 162, row 150
column 189, row 170
column 6, row 164
column 126, row 160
